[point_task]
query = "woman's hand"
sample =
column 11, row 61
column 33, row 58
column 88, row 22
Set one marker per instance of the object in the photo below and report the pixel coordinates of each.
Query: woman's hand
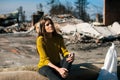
column 70, row 57
column 63, row 72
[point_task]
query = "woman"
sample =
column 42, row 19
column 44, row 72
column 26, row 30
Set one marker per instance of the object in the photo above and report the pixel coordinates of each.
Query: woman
column 49, row 46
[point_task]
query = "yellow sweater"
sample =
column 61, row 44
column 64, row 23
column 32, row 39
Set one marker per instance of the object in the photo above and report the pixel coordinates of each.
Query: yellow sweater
column 49, row 51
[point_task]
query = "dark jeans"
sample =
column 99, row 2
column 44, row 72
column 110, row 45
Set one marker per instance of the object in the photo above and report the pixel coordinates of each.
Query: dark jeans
column 51, row 73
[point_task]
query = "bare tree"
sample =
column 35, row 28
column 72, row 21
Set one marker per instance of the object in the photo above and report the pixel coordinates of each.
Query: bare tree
column 39, row 7
column 80, row 9
column 59, row 8
column 22, row 16
column 51, row 2
column 69, row 8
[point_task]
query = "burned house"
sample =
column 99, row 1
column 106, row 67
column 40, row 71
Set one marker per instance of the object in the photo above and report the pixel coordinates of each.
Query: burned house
column 9, row 19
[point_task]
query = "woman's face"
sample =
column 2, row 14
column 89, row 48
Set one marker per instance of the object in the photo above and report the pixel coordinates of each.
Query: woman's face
column 49, row 27
column 37, row 27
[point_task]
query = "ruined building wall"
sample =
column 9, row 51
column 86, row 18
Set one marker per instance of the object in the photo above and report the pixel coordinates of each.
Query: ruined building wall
column 111, row 11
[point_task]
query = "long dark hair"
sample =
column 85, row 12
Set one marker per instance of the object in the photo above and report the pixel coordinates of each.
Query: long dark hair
column 42, row 31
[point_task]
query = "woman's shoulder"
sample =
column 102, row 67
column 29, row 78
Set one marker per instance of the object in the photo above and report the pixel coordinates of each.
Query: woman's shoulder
column 59, row 36
column 40, row 38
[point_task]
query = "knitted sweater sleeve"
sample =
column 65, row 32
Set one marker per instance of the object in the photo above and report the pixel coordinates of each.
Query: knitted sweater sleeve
column 64, row 51
column 44, row 59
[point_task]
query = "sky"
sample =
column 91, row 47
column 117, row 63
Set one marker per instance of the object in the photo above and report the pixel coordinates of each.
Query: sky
column 30, row 6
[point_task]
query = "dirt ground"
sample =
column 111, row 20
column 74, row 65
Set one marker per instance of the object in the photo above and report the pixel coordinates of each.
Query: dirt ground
column 20, row 50
column 18, row 53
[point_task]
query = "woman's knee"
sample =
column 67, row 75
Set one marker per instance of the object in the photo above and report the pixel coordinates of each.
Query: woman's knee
column 44, row 70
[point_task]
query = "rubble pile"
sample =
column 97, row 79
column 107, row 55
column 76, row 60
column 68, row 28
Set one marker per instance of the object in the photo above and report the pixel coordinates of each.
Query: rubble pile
column 95, row 33
column 13, row 22
column 15, row 28
column 66, row 18
column 73, row 30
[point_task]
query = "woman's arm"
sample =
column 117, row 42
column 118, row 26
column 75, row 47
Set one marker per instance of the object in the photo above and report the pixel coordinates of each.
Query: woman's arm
column 65, row 52
column 44, row 59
